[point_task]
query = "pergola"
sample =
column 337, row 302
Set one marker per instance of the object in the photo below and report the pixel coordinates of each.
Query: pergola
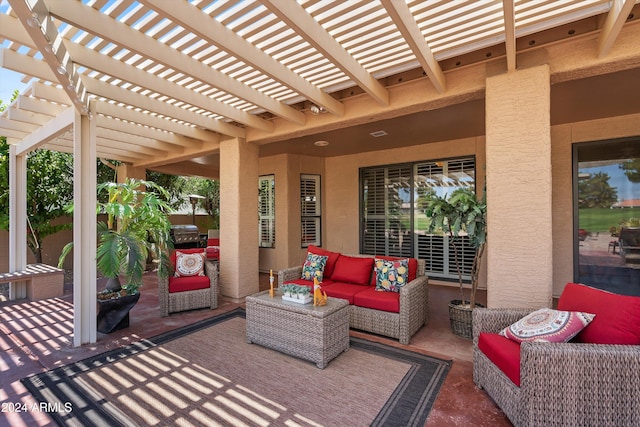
column 161, row 84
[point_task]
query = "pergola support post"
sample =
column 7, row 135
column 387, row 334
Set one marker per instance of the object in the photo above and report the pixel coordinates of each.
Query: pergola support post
column 84, row 229
column 17, row 219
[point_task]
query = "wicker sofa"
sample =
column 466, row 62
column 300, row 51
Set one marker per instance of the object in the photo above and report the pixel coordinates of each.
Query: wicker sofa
column 569, row 383
column 189, row 292
column 397, row 315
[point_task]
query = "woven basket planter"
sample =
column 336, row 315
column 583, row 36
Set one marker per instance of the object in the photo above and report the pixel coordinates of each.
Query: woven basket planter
column 460, row 318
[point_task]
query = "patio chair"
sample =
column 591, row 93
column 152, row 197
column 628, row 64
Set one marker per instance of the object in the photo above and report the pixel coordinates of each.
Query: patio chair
column 630, row 245
column 194, row 286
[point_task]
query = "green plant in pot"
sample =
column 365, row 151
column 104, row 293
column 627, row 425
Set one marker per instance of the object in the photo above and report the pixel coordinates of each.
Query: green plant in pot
column 460, row 215
column 137, row 225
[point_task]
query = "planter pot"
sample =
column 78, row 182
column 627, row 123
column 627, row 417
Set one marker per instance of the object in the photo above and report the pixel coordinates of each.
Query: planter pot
column 113, row 314
column 460, row 318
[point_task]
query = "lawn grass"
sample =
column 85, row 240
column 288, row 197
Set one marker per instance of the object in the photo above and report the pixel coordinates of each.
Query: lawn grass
column 602, row 219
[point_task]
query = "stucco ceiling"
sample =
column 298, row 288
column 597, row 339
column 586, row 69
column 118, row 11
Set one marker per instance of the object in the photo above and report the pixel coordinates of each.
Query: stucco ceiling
column 167, row 81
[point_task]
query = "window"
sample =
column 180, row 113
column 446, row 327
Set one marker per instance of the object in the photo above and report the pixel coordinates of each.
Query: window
column 267, row 211
column 393, row 222
column 310, row 210
column 607, row 212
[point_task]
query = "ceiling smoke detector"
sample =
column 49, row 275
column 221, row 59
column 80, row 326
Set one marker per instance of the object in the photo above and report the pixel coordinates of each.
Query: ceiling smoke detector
column 378, row 133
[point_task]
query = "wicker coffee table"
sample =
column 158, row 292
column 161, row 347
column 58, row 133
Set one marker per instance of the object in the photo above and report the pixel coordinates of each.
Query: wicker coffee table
column 316, row 334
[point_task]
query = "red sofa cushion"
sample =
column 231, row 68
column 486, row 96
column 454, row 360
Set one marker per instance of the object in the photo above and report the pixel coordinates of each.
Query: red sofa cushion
column 308, row 283
column 503, row 352
column 617, row 318
column 377, row 300
column 188, row 283
column 413, row 268
column 343, row 290
column 353, row 270
column 332, row 257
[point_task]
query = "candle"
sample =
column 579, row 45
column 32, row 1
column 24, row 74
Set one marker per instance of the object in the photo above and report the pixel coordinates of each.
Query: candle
column 271, row 293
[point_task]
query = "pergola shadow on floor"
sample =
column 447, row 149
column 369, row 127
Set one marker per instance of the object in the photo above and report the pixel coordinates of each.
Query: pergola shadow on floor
column 37, row 336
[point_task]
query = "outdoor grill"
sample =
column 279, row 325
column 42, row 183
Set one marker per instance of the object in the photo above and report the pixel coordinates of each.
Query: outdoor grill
column 185, row 236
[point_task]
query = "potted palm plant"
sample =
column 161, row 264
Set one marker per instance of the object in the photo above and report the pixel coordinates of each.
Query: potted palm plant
column 137, row 226
column 461, row 215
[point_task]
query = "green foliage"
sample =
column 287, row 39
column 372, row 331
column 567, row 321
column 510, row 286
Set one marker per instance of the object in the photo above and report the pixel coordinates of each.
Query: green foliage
column 631, row 169
column 210, row 190
column 461, row 214
column 595, row 192
column 49, row 191
column 137, row 225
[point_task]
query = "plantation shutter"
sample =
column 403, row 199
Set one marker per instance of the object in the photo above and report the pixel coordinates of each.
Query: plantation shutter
column 310, row 210
column 386, row 211
column 393, row 221
column 266, row 211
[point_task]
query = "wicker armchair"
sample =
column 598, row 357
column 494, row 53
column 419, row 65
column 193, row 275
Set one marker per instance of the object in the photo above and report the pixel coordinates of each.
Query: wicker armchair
column 414, row 312
column 565, row 384
column 171, row 302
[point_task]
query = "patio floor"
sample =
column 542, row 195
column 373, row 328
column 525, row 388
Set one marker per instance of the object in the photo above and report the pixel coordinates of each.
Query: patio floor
column 37, row 336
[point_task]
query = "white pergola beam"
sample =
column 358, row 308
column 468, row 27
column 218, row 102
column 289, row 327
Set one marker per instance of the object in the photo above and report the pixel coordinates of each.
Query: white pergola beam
column 616, row 18
column 143, row 102
column 47, row 40
column 194, row 20
column 406, row 24
column 308, row 28
column 508, row 8
column 177, row 157
column 51, row 130
column 137, row 77
column 91, row 20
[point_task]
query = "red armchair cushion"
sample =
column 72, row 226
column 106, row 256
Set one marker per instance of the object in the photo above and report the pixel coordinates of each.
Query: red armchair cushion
column 413, row 268
column 503, row 352
column 353, row 270
column 332, row 257
column 377, row 300
column 342, row 290
column 213, row 242
column 172, row 256
column 188, row 283
column 617, row 318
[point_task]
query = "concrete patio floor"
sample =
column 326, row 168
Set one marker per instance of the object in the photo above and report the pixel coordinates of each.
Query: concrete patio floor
column 37, row 336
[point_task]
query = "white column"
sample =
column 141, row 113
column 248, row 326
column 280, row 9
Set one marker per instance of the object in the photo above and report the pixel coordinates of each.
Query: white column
column 239, row 218
column 519, row 187
column 17, row 220
column 84, row 230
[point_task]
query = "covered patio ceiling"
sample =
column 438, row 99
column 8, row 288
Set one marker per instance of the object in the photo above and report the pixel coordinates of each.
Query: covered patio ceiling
column 168, row 80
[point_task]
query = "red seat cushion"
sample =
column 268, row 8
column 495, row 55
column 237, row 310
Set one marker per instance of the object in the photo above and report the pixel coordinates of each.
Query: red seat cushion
column 343, row 290
column 353, row 270
column 503, row 352
column 377, row 300
column 413, row 268
column 188, row 283
column 332, row 257
column 617, row 318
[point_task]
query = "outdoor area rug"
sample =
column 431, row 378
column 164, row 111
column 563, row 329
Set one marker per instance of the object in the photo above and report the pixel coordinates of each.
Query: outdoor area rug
column 206, row 374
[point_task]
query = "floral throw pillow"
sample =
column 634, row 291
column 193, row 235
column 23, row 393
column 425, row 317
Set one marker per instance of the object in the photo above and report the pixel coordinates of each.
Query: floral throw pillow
column 189, row 264
column 314, row 267
column 391, row 275
column 547, row 325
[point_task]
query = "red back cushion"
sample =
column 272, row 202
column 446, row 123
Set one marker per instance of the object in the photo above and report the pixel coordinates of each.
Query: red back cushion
column 413, row 268
column 213, row 242
column 332, row 257
column 617, row 318
column 353, row 270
